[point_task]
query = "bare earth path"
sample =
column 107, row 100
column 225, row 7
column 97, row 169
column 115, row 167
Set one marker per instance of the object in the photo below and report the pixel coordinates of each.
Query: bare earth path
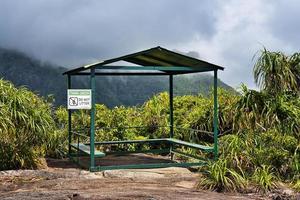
column 62, row 180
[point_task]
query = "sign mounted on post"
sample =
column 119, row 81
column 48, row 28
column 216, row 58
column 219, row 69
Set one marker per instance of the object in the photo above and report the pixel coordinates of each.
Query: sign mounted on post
column 79, row 99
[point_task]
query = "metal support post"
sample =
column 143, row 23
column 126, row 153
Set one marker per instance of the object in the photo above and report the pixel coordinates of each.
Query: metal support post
column 215, row 114
column 171, row 113
column 69, row 119
column 92, row 122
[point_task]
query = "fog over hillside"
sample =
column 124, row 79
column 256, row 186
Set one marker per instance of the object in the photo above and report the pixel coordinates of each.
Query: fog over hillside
column 45, row 78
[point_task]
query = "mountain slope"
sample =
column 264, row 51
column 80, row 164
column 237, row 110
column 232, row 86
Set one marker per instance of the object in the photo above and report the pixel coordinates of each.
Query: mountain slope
column 45, row 79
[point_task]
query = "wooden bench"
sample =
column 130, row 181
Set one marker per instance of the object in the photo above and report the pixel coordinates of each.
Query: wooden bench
column 188, row 144
column 86, row 149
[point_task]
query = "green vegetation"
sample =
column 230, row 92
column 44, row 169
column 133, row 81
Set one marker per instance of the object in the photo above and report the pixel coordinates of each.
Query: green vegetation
column 264, row 141
column 259, row 130
column 264, row 178
column 221, row 178
column 25, row 124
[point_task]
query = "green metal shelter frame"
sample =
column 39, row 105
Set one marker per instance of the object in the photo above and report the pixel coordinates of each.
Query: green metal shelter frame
column 156, row 61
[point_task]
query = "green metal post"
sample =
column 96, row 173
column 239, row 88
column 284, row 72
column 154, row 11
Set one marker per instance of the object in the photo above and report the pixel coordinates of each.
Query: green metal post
column 171, row 113
column 92, row 122
column 215, row 114
column 69, row 118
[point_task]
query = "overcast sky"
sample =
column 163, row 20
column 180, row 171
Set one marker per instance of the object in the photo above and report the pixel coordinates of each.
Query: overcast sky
column 228, row 33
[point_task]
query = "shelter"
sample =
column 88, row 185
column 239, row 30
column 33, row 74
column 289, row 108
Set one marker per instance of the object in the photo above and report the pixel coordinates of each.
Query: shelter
column 156, row 61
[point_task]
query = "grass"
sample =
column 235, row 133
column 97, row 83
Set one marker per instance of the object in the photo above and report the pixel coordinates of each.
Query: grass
column 218, row 177
column 264, row 179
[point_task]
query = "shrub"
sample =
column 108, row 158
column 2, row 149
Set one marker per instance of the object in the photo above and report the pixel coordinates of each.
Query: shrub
column 25, row 126
column 264, row 178
column 219, row 177
column 57, row 144
column 234, row 148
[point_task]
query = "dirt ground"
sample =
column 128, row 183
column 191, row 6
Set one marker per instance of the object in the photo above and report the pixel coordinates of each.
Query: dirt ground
column 63, row 180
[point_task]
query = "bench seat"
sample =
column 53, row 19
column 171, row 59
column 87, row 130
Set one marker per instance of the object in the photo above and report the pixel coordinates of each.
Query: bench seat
column 86, row 149
column 191, row 145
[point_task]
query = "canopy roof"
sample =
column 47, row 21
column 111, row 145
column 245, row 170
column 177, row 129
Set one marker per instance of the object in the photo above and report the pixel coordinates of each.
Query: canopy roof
column 157, row 58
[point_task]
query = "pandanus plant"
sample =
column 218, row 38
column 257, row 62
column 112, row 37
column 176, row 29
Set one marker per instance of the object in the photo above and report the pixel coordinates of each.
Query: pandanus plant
column 26, row 126
column 275, row 72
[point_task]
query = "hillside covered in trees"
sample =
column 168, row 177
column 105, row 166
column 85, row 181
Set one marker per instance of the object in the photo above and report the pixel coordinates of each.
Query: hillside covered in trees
column 46, row 79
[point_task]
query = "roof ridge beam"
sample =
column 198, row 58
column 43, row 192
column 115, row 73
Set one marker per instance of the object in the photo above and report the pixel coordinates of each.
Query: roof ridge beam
column 153, row 68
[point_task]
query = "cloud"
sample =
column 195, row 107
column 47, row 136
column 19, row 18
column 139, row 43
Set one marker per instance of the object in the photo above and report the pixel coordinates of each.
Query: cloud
column 228, row 33
column 284, row 24
column 242, row 28
column 69, row 32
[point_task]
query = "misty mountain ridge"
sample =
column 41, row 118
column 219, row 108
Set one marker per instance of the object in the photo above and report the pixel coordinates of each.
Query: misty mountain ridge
column 45, row 78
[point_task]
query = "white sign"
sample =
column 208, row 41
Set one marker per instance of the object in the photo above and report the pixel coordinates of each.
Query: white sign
column 79, row 99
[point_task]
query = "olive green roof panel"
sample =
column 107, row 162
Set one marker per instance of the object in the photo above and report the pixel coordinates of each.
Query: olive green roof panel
column 156, row 58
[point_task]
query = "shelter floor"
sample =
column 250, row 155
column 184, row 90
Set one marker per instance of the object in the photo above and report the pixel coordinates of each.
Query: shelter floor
column 129, row 159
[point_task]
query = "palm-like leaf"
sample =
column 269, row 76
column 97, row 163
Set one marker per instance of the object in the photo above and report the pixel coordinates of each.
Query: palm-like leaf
column 275, row 72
